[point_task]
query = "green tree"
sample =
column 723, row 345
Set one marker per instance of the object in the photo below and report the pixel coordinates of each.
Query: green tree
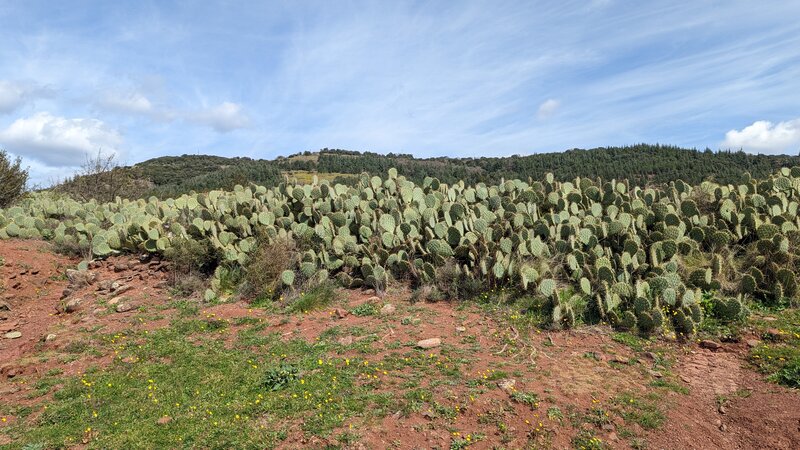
column 13, row 179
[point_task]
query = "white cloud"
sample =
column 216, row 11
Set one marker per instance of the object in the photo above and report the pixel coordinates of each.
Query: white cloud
column 57, row 141
column 766, row 137
column 548, row 108
column 133, row 102
column 225, row 117
column 14, row 94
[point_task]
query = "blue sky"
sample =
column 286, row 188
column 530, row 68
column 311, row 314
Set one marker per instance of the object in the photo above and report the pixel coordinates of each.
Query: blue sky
column 463, row 78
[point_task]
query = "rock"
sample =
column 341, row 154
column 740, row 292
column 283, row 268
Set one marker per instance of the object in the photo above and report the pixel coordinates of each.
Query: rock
column 66, row 293
column 72, row 305
column 116, row 300
column 120, row 267
column 461, row 329
column 50, row 337
column 774, row 334
column 723, row 428
column 607, row 427
column 341, row 313
column 429, row 343
column 105, row 285
column 651, row 356
column 613, row 437
column 769, row 319
column 374, row 299
column 122, row 289
column 4, row 306
column 686, row 379
column 13, row 335
column 346, row 340
column 164, row 420
column 753, row 343
column 388, row 309
column 655, row 373
column 125, row 307
column 507, row 384
column 710, row 345
column 722, row 409
column 397, row 415
column 8, row 326
column 81, row 278
column 619, row 359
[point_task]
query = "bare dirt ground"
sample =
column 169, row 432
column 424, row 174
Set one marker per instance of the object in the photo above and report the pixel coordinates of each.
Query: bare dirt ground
column 586, row 381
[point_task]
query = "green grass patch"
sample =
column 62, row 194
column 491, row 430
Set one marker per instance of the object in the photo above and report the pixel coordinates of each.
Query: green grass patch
column 778, row 357
column 314, row 298
column 211, row 394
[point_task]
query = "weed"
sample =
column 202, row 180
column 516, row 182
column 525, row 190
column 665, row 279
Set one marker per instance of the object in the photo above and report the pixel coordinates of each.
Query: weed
column 364, row 309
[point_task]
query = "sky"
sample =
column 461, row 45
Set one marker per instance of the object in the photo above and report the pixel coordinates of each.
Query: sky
column 140, row 79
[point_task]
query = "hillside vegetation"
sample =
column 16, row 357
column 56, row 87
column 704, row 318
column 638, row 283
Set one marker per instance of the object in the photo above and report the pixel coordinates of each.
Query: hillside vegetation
column 172, row 176
column 586, row 250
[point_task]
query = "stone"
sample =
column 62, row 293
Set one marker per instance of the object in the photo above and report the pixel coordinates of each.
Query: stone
column 429, row 343
column 105, row 285
column 4, row 306
column 507, row 384
column 722, row 409
column 72, row 305
column 125, row 307
column 346, row 340
column 374, row 299
column 619, row 359
column 341, row 313
column 50, row 337
column 13, row 335
column 388, row 309
column 461, row 329
column 122, row 289
column 753, row 343
column 120, row 266
column 774, row 334
column 116, row 300
column 651, row 356
column 164, row 420
column 710, row 345
column 81, row 277
column 655, row 373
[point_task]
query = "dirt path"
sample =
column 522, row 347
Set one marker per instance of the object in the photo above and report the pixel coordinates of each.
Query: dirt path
column 729, row 406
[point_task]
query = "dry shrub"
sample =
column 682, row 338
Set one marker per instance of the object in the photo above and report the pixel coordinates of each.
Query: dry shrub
column 191, row 263
column 265, row 266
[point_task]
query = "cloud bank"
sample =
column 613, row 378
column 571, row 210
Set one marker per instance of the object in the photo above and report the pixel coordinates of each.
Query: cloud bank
column 58, row 141
column 766, row 137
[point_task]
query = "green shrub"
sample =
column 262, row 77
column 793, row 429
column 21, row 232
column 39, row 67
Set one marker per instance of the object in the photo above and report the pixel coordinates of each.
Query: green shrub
column 13, row 179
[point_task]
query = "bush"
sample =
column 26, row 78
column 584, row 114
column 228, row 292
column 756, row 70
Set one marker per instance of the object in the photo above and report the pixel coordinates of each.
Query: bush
column 451, row 284
column 13, row 179
column 192, row 262
column 262, row 277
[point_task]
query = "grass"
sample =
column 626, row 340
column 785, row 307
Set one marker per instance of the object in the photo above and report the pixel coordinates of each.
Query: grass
column 315, row 298
column 235, row 399
column 778, row 357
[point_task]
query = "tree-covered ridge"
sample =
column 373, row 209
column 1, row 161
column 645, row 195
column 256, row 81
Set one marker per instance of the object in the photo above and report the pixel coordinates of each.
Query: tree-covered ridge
column 641, row 164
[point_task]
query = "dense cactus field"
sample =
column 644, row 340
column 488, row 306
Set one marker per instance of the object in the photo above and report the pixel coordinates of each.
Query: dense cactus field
column 596, row 250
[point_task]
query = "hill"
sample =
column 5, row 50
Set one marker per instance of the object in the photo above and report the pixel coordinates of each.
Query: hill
column 641, row 164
